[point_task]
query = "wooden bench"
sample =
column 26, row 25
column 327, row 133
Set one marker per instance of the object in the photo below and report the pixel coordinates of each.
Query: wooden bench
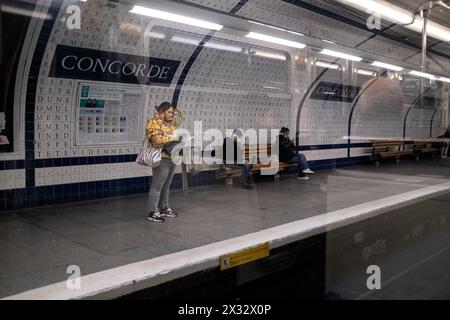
column 385, row 149
column 422, row 148
column 252, row 154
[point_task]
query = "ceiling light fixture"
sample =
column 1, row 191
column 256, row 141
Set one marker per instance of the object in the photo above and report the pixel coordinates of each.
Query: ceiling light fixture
column 159, row 14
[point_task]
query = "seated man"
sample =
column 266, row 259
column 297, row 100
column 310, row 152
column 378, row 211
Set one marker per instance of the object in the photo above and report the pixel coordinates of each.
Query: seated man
column 288, row 154
column 445, row 151
column 232, row 146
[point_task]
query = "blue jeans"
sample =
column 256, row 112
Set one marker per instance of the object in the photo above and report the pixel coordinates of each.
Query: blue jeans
column 158, row 197
column 301, row 160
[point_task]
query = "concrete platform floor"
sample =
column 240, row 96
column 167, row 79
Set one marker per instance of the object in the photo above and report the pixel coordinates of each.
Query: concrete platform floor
column 37, row 245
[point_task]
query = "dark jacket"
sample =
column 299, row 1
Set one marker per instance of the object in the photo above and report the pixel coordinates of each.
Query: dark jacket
column 286, row 148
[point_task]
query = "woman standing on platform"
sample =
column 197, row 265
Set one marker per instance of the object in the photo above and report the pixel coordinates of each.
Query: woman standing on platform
column 161, row 132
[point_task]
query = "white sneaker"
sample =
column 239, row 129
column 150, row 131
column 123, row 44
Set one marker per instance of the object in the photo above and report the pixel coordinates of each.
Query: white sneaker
column 168, row 213
column 308, row 171
column 302, row 178
column 155, row 217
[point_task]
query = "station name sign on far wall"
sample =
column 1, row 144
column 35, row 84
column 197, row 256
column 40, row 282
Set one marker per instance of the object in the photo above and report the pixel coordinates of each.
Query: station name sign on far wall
column 88, row 64
column 335, row 92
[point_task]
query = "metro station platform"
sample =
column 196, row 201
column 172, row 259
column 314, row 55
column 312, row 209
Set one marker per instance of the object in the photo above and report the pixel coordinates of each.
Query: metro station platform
column 119, row 252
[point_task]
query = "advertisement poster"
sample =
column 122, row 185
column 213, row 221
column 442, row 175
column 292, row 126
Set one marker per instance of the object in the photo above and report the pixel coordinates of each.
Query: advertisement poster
column 108, row 114
column 3, row 137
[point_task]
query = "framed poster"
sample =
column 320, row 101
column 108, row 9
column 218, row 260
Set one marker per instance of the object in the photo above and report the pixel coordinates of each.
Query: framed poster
column 108, row 114
column 5, row 144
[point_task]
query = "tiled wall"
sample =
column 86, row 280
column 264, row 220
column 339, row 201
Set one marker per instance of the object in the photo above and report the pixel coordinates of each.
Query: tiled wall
column 222, row 88
column 12, row 179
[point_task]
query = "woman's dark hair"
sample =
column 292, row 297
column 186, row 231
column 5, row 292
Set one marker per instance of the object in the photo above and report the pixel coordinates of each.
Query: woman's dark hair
column 284, row 129
column 163, row 107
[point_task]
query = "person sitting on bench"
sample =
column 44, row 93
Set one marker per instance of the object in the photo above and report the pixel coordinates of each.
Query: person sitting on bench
column 232, row 157
column 445, row 151
column 289, row 155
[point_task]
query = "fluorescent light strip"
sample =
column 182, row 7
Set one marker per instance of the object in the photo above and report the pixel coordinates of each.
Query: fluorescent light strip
column 328, row 41
column 444, row 79
column 24, row 12
column 423, row 75
column 386, row 66
column 297, row 33
column 277, row 28
column 393, row 13
column 367, row 72
column 340, row 55
column 156, row 35
column 270, row 87
column 186, row 40
column 270, row 55
column 175, row 18
column 284, row 42
column 383, row 9
column 327, row 65
column 223, row 47
column 212, row 45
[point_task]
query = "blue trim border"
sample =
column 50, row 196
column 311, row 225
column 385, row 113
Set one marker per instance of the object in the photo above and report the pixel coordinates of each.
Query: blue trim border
column 238, row 6
column 329, row 164
column 188, row 66
column 333, row 146
column 38, row 55
column 31, row 164
column 65, row 193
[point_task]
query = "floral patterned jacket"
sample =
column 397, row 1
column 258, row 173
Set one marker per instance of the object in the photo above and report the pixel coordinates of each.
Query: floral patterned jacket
column 160, row 133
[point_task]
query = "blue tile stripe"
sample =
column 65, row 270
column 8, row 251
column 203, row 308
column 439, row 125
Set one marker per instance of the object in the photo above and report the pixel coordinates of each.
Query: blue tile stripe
column 329, row 164
column 188, row 66
column 333, row 146
column 350, row 118
column 12, row 164
column 302, row 103
column 81, row 161
column 413, row 104
column 196, row 53
column 31, row 91
column 432, row 119
column 56, row 194
column 47, row 195
column 238, row 6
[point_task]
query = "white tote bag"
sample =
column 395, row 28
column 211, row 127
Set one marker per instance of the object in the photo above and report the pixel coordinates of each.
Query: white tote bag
column 148, row 155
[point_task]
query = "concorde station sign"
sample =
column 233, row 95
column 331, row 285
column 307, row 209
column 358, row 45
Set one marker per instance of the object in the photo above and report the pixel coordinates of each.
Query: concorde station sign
column 88, row 64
